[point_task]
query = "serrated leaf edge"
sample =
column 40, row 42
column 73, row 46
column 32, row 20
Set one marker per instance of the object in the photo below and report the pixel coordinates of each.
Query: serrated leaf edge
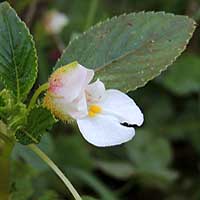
column 28, row 113
column 34, row 50
column 133, row 14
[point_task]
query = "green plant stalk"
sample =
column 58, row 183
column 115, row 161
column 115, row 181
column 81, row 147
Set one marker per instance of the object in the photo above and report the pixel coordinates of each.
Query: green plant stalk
column 41, row 89
column 91, row 13
column 5, row 152
column 53, row 166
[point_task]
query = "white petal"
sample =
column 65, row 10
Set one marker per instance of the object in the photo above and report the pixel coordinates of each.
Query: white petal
column 75, row 82
column 122, row 106
column 104, row 130
column 95, row 91
column 67, row 90
column 78, row 108
column 90, row 75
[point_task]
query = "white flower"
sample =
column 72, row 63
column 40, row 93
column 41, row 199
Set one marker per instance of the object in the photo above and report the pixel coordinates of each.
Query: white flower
column 103, row 116
column 55, row 21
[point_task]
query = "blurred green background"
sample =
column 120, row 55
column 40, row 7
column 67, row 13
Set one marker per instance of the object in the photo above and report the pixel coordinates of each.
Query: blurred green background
column 162, row 162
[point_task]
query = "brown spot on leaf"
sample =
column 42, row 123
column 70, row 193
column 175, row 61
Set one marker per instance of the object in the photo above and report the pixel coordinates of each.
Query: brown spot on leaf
column 129, row 24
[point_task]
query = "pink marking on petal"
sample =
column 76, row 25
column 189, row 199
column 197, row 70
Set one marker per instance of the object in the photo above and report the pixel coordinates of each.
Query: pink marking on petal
column 55, row 85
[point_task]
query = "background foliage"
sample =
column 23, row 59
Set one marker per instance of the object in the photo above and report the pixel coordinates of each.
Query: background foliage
column 162, row 162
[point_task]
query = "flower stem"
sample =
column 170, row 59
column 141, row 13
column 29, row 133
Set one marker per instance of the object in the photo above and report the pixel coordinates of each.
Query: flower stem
column 53, row 166
column 42, row 88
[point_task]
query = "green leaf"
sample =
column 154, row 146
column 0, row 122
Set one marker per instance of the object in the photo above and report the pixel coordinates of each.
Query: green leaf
column 49, row 195
column 12, row 113
column 151, row 156
column 76, row 146
column 119, row 170
column 184, row 77
column 18, row 60
column 5, row 103
column 2, row 102
column 160, row 178
column 21, row 179
column 22, row 152
column 149, row 152
column 129, row 50
column 38, row 121
column 95, row 184
column 88, row 198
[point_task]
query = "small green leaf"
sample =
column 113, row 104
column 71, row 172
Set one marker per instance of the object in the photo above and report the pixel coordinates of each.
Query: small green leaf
column 88, row 198
column 21, row 188
column 12, row 113
column 38, row 121
column 129, row 50
column 184, row 76
column 149, row 152
column 119, row 170
column 2, row 101
column 160, row 178
column 94, row 183
column 49, row 195
column 76, row 146
column 18, row 60
column 151, row 156
column 22, row 152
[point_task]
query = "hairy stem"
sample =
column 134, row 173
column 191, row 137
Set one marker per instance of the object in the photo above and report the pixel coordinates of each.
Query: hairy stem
column 53, row 166
column 41, row 89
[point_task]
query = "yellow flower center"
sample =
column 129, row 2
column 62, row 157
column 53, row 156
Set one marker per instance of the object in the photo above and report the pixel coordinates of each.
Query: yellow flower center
column 94, row 110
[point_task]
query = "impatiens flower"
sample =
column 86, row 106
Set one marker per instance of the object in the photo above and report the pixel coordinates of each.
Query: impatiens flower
column 55, row 21
column 104, row 117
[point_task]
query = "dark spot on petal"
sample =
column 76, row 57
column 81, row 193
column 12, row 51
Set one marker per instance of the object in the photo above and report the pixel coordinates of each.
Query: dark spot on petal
column 128, row 125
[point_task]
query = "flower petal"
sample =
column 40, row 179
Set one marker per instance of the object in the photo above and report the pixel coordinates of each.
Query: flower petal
column 104, row 130
column 78, row 108
column 95, row 91
column 73, row 79
column 122, row 106
column 66, row 94
column 89, row 77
